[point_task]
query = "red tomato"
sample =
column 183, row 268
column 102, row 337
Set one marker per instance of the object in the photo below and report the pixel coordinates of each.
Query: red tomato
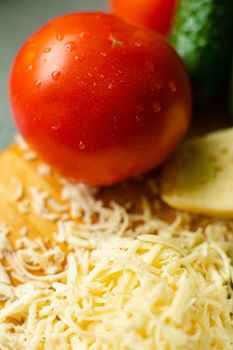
column 152, row 14
column 99, row 99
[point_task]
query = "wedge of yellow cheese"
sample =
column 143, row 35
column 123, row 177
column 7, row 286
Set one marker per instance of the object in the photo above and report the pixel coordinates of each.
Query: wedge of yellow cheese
column 199, row 177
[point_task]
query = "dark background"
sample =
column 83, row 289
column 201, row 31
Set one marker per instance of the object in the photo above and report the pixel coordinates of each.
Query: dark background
column 18, row 19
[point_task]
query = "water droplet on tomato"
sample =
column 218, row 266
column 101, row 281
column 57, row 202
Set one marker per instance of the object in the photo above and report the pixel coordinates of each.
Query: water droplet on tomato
column 60, row 37
column 103, row 54
column 101, row 76
column 81, row 145
column 30, row 67
column 139, row 108
column 46, row 50
column 110, row 86
column 137, row 44
column 56, row 127
column 76, row 58
column 156, row 107
column 118, row 73
column 156, row 86
column 90, row 75
column 85, row 35
column 137, row 118
column 71, row 46
column 56, row 74
column 172, row 86
column 37, row 84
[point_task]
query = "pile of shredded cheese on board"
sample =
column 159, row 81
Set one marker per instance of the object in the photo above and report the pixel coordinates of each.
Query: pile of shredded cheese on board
column 126, row 281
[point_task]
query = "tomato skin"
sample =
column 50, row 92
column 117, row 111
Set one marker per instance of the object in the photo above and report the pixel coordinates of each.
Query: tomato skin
column 153, row 14
column 98, row 99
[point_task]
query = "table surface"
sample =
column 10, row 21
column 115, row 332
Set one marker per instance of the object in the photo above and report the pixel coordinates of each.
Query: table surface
column 18, row 19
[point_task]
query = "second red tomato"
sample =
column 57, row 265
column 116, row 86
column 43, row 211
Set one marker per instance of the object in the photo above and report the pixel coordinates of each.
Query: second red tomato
column 152, row 14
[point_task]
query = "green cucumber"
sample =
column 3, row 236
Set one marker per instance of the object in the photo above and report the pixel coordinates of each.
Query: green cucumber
column 202, row 34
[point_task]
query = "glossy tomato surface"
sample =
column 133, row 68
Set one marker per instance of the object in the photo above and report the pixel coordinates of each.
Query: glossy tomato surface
column 153, row 14
column 99, row 99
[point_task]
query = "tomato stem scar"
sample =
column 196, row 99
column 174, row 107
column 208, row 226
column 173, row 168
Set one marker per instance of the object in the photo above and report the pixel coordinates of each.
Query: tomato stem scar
column 115, row 42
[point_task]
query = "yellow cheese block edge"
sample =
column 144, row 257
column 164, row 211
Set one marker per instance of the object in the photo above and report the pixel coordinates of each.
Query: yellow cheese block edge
column 174, row 192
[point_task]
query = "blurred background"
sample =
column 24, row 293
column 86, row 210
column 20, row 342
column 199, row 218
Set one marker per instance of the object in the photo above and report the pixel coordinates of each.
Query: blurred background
column 18, row 19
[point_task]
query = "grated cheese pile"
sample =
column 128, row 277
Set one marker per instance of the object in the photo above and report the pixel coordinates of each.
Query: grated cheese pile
column 127, row 281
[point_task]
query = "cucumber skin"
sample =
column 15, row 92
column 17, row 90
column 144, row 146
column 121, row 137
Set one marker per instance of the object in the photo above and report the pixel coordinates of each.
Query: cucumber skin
column 203, row 36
